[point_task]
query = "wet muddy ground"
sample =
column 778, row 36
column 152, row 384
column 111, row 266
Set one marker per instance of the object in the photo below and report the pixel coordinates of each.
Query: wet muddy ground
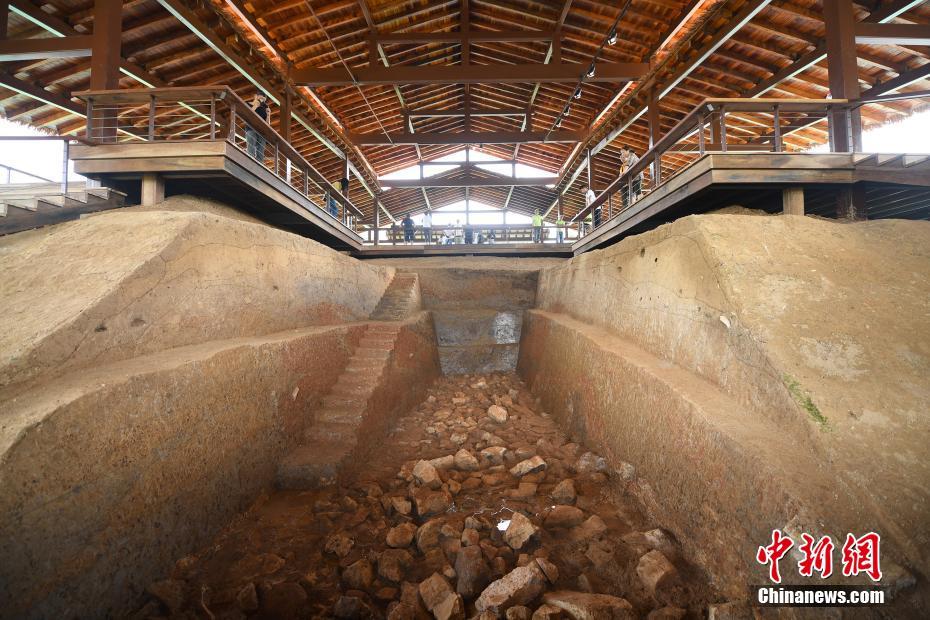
column 475, row 505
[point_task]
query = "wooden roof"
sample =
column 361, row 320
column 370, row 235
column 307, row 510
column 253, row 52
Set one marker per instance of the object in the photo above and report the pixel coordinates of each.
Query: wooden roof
column 275, row 36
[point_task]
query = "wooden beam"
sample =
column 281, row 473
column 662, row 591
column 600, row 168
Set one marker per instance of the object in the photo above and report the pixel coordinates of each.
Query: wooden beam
column 437, row 113
column 107, row 39
column 466, row 36
column 468, row 137
column 472, row 74
column 892, row 34
column 37, row 49
column 4, row 18
column 36, row 92
column 470, row 181
column 905, row 79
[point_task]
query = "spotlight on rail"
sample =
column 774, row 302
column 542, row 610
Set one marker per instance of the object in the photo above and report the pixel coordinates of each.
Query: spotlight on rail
column 558, row 122
column 590, row 72
column 577, row 94
column 612, row 37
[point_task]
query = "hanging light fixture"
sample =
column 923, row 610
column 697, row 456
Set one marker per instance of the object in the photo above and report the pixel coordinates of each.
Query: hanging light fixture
column 612, row 37
column 577, row 94
column 590, row 72
column 558, row 122
column 568, row 110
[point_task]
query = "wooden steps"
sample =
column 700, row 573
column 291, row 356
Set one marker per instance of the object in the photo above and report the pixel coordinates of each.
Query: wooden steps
column 400, row 299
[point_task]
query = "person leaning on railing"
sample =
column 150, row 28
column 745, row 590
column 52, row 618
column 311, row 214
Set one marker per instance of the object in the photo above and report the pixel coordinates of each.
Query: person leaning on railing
column 634, row 188
column 254, row 141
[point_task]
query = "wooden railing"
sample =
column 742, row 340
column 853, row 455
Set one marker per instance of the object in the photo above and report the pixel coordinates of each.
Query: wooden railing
column 474, row 234
column 184, row 114
column 716, row 125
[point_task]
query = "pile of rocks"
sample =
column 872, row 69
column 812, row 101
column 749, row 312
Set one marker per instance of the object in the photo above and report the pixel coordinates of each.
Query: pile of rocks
column 476, row 506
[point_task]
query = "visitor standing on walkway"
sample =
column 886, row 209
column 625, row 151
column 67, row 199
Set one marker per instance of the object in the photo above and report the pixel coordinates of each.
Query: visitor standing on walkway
column 589, row 197
column 634, row 188
column 459, row 232
column 428, row 226
column 407, row 223
column 560, row 228
column 254, row 141
column 537, row 227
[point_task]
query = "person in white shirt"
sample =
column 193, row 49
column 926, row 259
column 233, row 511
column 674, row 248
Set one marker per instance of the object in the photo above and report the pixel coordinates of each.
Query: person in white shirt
column 459, row 232
column 628, row 159
column 428, row 226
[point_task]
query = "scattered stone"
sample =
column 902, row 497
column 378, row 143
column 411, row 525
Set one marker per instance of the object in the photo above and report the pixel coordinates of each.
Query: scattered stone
column 401, row 536
column 338, row 544
column 524, row 452
column 528, row 466
column 458, row 438
column 547, row 612
column 434, row 590
column 564, row 492
column 401, row 505
column 359, row 575
column 519, row 612
column 401, row 611
column 426, row 475
column 247, row 598
column 659, row 577
column 460, row 400
column 349, row 608
column 495, row 478
column 586, row 606
column 549, row 570
column 472, row 571
column 563, row 516
column 521, row 586
column 470, row 537
column 386, row 594
column 626, row 471
column 657, row 539
column 589, row 463
column 451, row 608
column 427, row 535
column 429, row 503
column 465, row 461
column 493, row 455
column 666, row 613
column 443, row 462
column 524, row 490
column 591, row 528
column 170, row 592
column 497, row 413
column 520, row 531
column 393, row 564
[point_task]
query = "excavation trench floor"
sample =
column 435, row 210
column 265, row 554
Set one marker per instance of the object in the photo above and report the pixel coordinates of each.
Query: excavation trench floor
column 366, row 547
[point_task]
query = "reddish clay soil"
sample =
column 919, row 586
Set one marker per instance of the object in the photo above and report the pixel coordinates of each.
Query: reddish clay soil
column 475, row 505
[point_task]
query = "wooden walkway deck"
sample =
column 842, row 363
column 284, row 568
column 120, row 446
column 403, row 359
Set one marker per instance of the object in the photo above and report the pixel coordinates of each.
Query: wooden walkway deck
column 756, row 180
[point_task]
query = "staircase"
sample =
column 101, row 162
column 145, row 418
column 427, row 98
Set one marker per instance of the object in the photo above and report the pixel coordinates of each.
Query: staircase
column 400, row 299
column 24, row 206
column 334, row 436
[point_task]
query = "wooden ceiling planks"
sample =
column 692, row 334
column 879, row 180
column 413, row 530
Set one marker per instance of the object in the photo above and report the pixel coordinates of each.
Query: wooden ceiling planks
column 326, row 33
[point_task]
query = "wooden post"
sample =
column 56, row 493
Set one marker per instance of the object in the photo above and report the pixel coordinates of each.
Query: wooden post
column 4, row 18
column 723, row 129
column 655, row 132
column 153, row 189
column 377, row 219
column 843, row 73
column 701, row 121
column 284, row 114
column 231, row 130
column 213, row 116
column 792, row 200
column 105, row 60
column 776, row 130
column 151, row 118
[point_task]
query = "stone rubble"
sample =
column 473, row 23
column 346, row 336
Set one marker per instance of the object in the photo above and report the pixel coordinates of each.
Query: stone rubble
column 477, row 505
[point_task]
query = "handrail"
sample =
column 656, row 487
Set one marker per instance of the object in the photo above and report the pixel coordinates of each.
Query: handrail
column 28, row 174
column 238, row 108
column 695, row 121
column 65, row 148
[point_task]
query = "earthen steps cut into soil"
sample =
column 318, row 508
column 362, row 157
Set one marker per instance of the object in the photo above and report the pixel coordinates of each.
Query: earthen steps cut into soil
column 333, row 438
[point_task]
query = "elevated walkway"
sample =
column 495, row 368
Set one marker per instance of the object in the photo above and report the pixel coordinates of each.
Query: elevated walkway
column 24, row 206
column 891, row 186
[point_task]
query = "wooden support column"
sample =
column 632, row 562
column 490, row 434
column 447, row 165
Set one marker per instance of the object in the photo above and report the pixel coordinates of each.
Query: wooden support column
column 843, row 70
column 792, row 200
column 105, row 49
column 4, row 18
column 655, row 132
column 714, row 121
column 153, row 189
column 377, row 219
column 284, row 115
column 105, row 62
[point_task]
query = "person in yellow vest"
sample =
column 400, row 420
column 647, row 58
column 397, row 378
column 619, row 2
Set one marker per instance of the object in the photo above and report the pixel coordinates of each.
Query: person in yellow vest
column 560, row 229
column 537, row 227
